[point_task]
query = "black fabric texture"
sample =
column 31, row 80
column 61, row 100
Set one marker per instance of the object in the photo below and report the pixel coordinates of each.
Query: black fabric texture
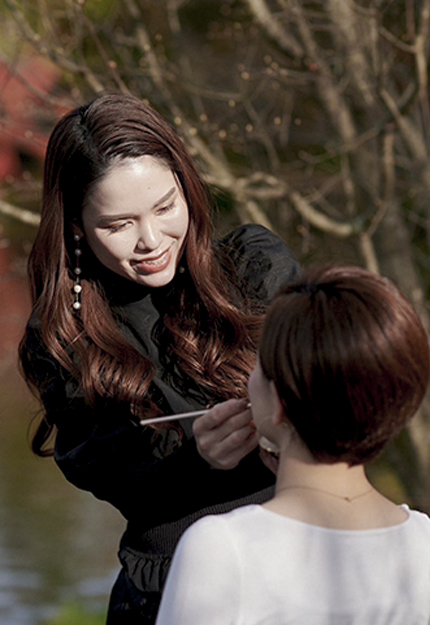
column 159, row 488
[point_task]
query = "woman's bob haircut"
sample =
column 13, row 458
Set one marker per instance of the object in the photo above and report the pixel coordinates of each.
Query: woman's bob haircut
column 349, row 358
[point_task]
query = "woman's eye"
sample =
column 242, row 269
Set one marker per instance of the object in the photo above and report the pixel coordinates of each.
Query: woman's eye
column 165, row 209
column 117, row 227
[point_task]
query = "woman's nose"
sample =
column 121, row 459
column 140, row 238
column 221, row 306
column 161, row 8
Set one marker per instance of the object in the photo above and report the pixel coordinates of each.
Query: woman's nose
column 149, row 236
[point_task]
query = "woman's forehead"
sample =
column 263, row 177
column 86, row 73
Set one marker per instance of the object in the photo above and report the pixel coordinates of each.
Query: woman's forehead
column 143, row 181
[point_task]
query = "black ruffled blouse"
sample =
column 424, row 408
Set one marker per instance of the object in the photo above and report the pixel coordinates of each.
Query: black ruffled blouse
column 160, row 488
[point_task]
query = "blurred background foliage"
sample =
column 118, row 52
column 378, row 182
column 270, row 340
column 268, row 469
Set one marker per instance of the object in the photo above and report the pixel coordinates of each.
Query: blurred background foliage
column 310, row 117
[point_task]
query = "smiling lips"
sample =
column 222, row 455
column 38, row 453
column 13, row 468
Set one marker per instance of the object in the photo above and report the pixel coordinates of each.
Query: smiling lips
column 152, row 265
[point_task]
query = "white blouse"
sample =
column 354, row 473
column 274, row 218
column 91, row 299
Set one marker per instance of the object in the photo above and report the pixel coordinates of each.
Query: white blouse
column 252, row 566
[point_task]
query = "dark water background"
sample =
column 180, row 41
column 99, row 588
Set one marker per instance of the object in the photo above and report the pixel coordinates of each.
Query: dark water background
column 57, row 544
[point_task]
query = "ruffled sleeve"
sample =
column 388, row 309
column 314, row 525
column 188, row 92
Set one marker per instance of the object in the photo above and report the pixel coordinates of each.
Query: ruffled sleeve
column 263, row 261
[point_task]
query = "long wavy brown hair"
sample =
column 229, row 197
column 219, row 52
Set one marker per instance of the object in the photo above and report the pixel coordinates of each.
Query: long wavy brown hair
column 211, row 328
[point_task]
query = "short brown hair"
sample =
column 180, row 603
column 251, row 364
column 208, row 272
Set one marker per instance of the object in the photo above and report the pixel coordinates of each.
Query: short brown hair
column 349, row 358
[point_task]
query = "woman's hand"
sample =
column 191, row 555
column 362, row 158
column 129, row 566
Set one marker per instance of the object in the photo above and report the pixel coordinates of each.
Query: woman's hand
column 225, row 434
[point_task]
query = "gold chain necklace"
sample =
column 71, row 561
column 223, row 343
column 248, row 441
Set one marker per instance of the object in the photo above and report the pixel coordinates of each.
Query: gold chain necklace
column 326, row 492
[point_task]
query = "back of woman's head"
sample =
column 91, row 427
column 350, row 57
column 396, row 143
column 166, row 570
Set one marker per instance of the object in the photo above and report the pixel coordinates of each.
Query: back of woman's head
column 349, row 358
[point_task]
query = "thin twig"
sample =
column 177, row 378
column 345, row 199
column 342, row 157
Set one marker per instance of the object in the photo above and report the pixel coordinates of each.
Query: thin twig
column 21, row 214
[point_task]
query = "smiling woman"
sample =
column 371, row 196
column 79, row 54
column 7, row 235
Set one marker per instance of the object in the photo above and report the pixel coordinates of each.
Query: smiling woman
column 139, row 236
column 139, row 312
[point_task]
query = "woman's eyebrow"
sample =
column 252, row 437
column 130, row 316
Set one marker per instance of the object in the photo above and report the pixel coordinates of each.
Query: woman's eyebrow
column 108, row 219
column 105, row 220
column 165, row 197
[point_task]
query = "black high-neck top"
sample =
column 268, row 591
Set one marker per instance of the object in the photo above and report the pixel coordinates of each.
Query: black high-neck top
column 161, row 487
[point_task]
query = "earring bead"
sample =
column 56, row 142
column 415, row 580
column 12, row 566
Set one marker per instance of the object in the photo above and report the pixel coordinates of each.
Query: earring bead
column 77, row 287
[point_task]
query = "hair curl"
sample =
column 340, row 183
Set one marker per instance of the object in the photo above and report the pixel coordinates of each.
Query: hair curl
column 211, row 329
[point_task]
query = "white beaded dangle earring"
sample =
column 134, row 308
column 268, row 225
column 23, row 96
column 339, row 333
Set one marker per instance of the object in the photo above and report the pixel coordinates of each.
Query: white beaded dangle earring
column 77, row 287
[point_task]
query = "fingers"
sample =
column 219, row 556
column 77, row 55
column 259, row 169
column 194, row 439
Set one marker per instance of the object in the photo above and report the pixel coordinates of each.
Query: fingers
column 229, row 451
column 226, row 434
column 224, row 418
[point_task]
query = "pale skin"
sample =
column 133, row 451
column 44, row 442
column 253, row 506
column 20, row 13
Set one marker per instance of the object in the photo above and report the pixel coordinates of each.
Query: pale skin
column 140, row 234
column 308, row 490
column 136, row 221
column 226, row 434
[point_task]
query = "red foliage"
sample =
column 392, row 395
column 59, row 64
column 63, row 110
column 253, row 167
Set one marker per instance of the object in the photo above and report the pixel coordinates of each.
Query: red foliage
column 24, row 108
column 28, row 111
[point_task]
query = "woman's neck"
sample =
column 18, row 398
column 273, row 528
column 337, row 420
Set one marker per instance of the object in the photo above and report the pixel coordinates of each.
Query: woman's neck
column 335, row 495
column 305, row 473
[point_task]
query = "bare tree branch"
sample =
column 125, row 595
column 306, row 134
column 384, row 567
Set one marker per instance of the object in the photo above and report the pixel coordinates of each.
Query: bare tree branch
column 368, row 252
column 408, row 131
column 320, row 220
column 21, row 214
column 350, row 29
column 273, row 28
column 421, row 56
column 56, row 54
